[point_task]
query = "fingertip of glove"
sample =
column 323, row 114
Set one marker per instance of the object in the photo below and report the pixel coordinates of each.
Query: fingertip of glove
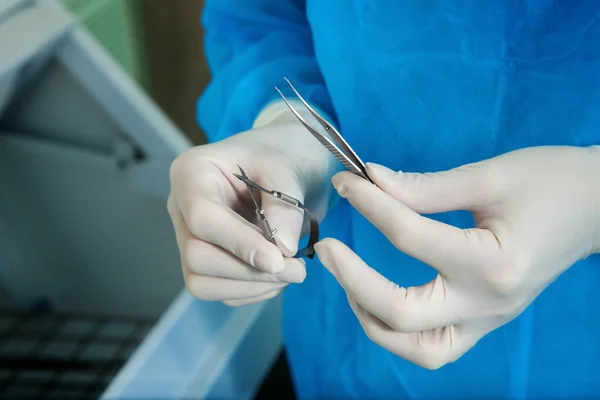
column 379, row 172
column 326, row 243
column 294, row 272
column 324, row 249
column 270, row 260
column 319, row 246
column 339, row 182
column 286, row 245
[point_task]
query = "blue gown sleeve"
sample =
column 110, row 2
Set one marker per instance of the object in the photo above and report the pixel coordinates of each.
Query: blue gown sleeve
column 250, row 45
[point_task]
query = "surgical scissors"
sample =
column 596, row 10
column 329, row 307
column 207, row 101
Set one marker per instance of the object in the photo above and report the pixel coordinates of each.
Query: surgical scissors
column 338, row 146
column 263, row 222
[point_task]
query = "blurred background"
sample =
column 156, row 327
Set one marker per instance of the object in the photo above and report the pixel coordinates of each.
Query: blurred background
column 97, row 97
column 159, row 44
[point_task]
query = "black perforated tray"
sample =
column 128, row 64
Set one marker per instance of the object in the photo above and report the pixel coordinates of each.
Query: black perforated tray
column 50, row 355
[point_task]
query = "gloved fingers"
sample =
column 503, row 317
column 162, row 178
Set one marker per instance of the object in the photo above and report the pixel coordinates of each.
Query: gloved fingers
column 205, row 201
column 214, row 223
column 194, row 177
column 442, row 246
column 204, row 258
column 429, row 349
column 226, row 265
column 177, row 220
column 405, row 310
column 221, row 289
column 252, row 300
column 284, row 217
column 465, row 188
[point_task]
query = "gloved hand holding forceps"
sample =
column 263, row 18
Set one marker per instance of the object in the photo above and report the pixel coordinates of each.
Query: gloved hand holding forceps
column 537, row 212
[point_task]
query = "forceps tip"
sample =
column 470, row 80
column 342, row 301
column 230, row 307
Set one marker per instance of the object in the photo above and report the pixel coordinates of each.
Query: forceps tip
column 289, row 83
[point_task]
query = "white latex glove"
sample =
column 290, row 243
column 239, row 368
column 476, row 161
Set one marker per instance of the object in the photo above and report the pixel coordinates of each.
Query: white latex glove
column 224, row 256
column 537, row 212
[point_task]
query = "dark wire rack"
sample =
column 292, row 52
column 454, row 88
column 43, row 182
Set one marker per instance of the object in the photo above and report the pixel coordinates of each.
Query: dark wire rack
column 51, row 355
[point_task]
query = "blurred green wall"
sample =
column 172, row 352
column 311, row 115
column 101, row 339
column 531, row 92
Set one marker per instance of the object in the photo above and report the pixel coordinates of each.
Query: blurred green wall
column 116, row 24
column 159, row 43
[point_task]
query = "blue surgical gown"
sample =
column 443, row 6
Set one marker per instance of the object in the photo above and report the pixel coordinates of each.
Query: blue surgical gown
column 422, row 85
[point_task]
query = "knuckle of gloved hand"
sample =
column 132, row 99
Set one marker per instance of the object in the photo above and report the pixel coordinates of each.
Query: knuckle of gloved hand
column 170, row 205
column 234, row 303
column 193, row 255
column 174, row 169
column 373, row 333
column 194, row 284
column 179, row 165
column 509, row 278
column 403, row 318
column 200, row 215
column 433, row 362
column 432, row 357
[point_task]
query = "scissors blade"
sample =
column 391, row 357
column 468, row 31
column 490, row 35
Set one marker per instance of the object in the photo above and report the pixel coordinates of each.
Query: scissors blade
column 262, row 221
column 250, row 183
column 244, row 178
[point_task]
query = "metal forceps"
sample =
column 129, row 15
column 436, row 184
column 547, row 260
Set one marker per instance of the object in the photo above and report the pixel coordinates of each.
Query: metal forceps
column 336, row 145
column 263, row 222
